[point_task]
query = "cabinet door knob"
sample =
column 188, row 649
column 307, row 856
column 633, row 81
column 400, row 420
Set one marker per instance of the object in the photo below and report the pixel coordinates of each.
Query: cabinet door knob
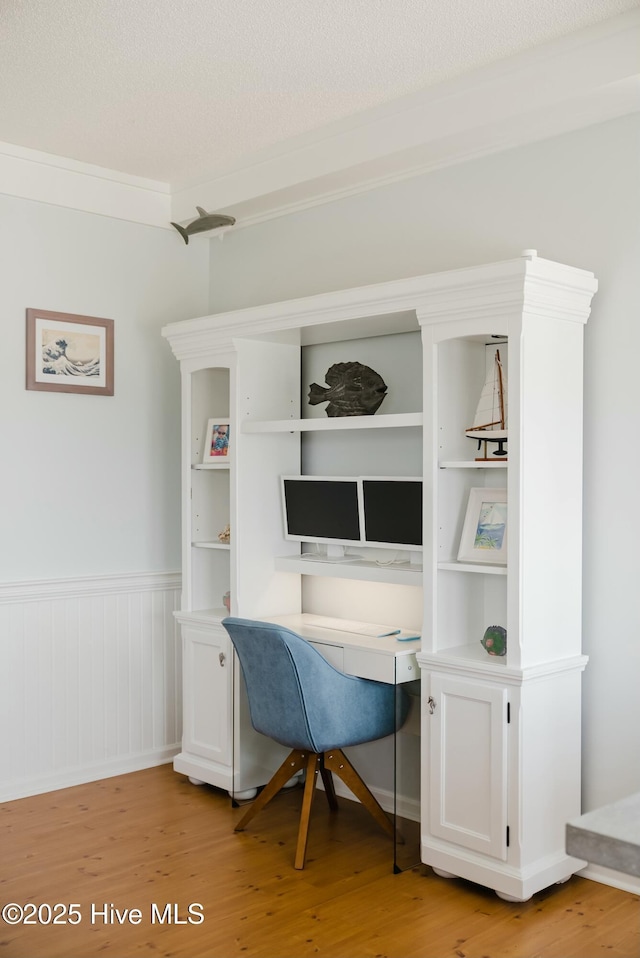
column 222, row 658
column 431, row 702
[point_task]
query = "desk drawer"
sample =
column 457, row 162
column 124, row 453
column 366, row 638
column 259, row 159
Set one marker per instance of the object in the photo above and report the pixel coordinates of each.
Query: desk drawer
column 369, row 664
column 334, row 654
column 379, row 666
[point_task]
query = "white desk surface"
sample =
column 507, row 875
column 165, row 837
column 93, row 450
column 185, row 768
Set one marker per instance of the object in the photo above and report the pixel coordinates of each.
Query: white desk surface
column 385, row 659
column 387, row 645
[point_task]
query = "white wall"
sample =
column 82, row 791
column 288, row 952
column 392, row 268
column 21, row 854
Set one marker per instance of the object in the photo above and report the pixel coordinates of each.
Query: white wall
column 90, row 503
column 575, row 199
column 90, row 484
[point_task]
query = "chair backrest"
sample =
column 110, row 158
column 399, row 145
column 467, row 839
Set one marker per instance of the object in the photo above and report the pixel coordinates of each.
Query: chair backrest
column 298, row 699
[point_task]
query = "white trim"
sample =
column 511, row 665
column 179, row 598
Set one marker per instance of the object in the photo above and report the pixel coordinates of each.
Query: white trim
column 606, row 876
column 89, row 773
column 451, row 295
column 46, row 178
column 402, row 805
column 520, row 881
column 493, row 671
column 581, row 79
column 34, row 590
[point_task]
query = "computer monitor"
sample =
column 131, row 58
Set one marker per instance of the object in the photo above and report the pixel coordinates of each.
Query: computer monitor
column 322, row 509
column 337, row 511
column 392, row 512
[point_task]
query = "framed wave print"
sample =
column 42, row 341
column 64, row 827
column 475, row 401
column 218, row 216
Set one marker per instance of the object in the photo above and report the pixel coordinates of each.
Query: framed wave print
column 68, row 353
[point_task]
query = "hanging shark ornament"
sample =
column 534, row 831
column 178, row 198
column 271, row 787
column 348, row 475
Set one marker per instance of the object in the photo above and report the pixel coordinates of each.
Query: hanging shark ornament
column 205, row 221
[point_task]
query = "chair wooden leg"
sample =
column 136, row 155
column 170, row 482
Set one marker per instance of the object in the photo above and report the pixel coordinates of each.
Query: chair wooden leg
column 329, row 788
column 337, row 762
column 296, row 760
column 309, row 791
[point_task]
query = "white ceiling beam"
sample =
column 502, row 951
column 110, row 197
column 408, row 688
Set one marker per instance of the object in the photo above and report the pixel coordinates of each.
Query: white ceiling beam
column 582, row 79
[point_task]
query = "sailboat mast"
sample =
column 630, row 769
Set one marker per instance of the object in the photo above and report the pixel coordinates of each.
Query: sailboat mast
column 490, row 423
column 500, row 388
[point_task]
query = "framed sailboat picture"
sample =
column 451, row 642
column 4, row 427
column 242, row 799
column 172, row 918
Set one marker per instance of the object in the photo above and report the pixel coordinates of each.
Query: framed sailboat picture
column 484, row 533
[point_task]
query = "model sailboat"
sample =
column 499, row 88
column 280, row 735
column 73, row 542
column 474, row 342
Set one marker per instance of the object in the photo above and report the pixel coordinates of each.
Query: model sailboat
column 490, row 422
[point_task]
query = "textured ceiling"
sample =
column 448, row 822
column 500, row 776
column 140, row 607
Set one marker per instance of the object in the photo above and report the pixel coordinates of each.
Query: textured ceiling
column 181, row 90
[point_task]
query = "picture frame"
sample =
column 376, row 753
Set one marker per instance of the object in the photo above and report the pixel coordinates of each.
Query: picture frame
column 217, row 445
column 69, row 353
column 484, row 533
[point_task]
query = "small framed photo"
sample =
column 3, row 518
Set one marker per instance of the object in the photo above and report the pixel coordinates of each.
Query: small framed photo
column 484, row 534
column 217, row 447
column 67, row 353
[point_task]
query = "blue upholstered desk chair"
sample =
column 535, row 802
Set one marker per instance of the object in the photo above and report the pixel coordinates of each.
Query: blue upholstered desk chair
column 298, row 699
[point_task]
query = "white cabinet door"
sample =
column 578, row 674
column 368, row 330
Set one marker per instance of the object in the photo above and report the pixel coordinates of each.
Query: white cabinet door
column 207, row 675
column 468, row 764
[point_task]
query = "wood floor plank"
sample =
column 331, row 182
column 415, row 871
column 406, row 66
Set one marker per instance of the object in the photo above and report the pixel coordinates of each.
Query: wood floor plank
column 151, row 838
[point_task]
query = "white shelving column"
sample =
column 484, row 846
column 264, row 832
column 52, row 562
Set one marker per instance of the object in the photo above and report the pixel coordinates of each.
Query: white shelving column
column 501, row 735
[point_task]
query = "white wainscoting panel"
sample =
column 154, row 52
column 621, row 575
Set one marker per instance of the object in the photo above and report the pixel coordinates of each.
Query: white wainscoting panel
column 90, row 679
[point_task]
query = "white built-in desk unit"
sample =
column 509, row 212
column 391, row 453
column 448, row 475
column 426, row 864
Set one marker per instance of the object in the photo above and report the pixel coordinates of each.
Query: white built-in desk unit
column 494, row 784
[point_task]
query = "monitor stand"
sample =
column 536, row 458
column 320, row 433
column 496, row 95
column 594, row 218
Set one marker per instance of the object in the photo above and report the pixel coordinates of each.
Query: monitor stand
column 335, row 553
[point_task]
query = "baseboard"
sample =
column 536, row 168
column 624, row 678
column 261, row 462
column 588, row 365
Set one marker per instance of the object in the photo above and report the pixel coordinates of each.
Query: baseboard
column 408, row 808
column 89, row 773
column 607, row 876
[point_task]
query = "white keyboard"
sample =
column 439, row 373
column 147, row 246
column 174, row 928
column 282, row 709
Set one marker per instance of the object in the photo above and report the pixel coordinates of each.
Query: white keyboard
column 349, row 625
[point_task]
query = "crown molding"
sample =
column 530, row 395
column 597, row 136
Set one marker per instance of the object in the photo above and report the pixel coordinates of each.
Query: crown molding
column 453, row 295
column 33, row 175
column 579, row 80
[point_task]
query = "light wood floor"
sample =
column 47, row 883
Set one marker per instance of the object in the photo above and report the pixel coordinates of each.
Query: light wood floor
column 151, row 837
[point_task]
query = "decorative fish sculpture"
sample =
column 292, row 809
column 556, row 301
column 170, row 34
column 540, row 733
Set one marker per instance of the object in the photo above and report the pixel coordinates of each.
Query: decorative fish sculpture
column 494, row 640
column 353, row 390
column 205, row 221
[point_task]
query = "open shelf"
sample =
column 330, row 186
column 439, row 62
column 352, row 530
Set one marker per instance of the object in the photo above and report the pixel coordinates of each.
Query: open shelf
column 205, row 616
column 404, row 574
column 211, row 545
column 467, row 655
column 472, row 464
column 392, row 421
column 485, row 569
